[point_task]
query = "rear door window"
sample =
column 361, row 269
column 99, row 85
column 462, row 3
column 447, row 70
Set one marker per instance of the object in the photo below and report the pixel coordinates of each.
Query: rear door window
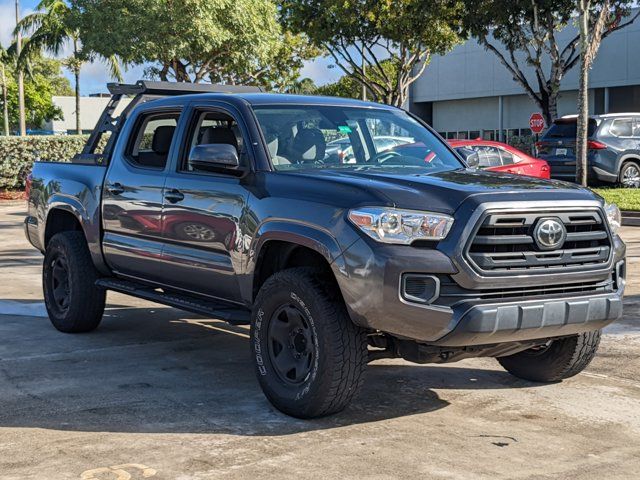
column 151, row 140
column 489, row 156
column 507, row 157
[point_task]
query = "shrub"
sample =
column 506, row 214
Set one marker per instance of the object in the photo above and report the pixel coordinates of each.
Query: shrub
column 17, row 155
column 524, row 143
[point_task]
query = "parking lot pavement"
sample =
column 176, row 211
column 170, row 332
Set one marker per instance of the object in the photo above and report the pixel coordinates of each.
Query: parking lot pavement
column 157, row 393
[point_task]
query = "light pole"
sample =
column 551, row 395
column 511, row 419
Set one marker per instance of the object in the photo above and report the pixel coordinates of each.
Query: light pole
column 23, row 126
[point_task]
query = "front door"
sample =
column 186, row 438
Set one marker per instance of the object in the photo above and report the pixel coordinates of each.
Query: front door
column 204, row 246
column 133, row 194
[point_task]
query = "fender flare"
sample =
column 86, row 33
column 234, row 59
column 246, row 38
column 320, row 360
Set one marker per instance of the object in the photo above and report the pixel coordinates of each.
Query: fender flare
column 90, row 226
column 310, row 236
column 295, row 232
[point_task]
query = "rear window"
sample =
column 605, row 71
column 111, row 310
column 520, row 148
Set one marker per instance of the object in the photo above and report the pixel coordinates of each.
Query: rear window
column 569, row 129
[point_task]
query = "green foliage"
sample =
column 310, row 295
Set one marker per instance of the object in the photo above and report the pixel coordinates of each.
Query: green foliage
column 346, row 86
column 235, row 41
column 405, row 33
column 44, row 80
column 303, row 86
column 17, row 155
column 349, row 87
column 50, row 28
column 625, row 198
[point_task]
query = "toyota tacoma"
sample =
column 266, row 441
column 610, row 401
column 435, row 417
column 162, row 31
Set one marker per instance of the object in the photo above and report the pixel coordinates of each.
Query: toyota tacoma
column 226, row 202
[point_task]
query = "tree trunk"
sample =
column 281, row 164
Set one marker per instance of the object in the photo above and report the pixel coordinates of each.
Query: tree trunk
column 76, row 72
column 5, row 106
column 583, row 100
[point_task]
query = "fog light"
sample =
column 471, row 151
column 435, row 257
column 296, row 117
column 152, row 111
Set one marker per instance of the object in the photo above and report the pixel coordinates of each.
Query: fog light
column 418, row 288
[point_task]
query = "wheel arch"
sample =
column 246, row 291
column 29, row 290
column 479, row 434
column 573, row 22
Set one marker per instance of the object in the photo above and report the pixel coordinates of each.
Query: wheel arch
column 281, row 245
column 65, row 215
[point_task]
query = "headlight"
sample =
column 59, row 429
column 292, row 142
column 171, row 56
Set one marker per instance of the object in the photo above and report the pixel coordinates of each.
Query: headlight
column 390, row 225
column 614, row 217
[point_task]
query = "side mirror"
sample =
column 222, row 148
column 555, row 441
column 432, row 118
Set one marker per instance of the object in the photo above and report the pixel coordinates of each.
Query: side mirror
column 214, row 156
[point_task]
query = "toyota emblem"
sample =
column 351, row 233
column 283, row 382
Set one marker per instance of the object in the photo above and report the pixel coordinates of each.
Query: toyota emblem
column 549, row 233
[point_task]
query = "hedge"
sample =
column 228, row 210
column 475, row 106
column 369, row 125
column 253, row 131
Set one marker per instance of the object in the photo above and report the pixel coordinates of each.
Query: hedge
column 17, row 154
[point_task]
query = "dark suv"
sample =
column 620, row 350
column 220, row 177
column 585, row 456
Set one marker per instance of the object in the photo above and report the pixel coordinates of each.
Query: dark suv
column 614, row 149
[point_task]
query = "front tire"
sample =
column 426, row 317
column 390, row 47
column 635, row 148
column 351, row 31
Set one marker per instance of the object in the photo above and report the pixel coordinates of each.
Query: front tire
column 309, row 356
column 562, row 358
column 73, row 302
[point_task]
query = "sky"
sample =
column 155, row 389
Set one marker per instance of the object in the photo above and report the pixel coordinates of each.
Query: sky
column 94, row 77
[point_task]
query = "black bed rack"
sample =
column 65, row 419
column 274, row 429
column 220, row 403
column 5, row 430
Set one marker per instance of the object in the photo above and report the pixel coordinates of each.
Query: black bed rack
column 141, row 91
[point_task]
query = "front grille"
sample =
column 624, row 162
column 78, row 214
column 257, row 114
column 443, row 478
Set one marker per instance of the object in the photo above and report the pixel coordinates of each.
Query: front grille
column 504, row 243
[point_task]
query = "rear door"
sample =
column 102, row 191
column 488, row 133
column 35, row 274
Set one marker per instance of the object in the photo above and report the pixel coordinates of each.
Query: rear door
column 133, row 193
column 204, row 243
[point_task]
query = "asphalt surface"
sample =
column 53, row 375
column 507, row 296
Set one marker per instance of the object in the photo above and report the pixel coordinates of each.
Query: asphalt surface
column 157, row 393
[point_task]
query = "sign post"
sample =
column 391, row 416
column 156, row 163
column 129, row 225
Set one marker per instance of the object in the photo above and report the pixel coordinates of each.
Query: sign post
column 536, row 124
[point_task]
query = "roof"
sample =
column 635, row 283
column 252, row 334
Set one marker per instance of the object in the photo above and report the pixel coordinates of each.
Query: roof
column 601, row 116
column 284, row 99
column 253, row 95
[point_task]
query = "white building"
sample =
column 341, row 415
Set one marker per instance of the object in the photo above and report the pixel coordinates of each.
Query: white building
column 468, row 93
column 90, row 110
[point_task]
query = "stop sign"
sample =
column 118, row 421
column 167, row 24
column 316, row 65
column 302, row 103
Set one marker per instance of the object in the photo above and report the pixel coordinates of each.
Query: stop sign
column 536, row 123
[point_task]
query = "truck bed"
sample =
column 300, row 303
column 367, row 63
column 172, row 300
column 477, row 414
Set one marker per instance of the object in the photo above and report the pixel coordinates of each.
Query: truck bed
column 73, row 187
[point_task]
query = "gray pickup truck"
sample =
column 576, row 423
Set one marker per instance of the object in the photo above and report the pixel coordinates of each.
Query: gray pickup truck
column 228, row 203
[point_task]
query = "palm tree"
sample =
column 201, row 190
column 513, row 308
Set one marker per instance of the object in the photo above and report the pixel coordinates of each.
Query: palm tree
column 51, row 28
column 4, row 59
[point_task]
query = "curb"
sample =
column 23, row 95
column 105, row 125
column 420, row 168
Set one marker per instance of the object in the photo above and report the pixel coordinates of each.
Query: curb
column 11, row 203
column 630, row 218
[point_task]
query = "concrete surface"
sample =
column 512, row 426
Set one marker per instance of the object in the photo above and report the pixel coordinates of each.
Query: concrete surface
column 157, row 393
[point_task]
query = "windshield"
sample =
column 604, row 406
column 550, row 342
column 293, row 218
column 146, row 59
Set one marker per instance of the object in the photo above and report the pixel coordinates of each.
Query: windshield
column 300, row 137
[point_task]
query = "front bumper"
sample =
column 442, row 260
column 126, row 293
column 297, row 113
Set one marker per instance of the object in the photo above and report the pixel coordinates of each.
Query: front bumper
column 483, row 324
column 370, row 287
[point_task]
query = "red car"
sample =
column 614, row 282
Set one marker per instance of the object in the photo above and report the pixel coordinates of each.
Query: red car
column 500, row 157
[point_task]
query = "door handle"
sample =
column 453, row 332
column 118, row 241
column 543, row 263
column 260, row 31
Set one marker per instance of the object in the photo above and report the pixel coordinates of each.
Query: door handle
column 115, row 188
column 174, row 196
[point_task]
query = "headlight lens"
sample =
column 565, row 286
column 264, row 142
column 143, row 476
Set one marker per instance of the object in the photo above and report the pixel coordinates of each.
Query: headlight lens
column 614, row 216
column 390, row 225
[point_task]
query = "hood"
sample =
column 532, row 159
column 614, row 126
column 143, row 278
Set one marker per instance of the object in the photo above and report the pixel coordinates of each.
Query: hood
column 443, row 191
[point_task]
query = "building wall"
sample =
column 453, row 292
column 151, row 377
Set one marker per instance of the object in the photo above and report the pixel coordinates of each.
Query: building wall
column 90, row 110
column 470, row 71
column 483, row 113
column 460, row 91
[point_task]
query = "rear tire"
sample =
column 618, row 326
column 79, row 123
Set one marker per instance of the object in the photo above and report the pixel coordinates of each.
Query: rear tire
column 310, row 358
column 73, row 302
column 562, row 358
column 630, row 175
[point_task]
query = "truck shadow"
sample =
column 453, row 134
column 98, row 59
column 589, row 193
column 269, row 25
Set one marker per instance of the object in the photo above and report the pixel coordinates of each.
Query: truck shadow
column 20, row 257
column 163, row 371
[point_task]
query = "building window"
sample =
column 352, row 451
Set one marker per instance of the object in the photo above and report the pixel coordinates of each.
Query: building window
column 489, row 135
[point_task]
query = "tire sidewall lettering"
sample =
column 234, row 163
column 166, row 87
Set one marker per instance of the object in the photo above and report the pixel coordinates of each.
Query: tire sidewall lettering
column 263, row 366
